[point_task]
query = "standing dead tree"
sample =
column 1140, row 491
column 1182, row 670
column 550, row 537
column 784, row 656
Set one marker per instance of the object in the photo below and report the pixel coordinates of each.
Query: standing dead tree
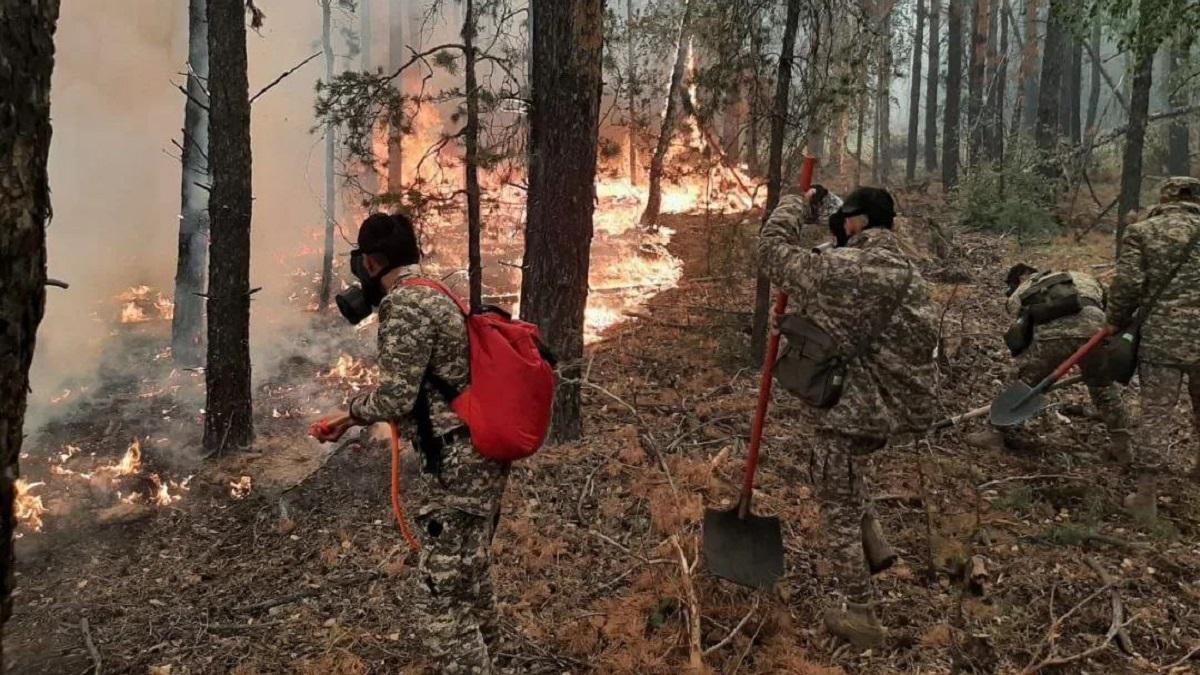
column 658, row 160
column 27, row 54
column 228, row 419
column 326, row 287
column 564, row 119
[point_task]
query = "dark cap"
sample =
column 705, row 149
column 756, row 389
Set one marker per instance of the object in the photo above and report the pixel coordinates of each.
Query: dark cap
column 391, row 235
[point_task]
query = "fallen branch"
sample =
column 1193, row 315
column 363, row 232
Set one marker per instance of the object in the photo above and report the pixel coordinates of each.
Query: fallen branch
column 1035, row 476
column 1179, row 662
column 736, row 629
column 1054, row 631
column 1117, row 629
column 696, row 653
column 97, row 662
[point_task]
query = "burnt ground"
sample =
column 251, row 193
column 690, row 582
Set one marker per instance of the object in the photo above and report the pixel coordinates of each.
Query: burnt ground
column 588, row 574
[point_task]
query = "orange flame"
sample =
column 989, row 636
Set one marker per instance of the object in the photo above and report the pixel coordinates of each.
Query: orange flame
column 29, row 507
column 130, row 464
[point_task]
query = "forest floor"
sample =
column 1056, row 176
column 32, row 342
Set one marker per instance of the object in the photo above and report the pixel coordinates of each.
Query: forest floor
column 286, row 559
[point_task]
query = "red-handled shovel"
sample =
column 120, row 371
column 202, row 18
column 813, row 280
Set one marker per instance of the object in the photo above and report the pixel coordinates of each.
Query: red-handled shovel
column 738, row 545
column 1019, row 402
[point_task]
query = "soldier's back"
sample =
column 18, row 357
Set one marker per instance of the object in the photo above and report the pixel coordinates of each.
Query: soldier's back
column 1170, row 334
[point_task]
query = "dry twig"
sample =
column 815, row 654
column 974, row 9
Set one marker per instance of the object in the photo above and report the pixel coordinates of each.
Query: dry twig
column 696, row 652
column 97, row 662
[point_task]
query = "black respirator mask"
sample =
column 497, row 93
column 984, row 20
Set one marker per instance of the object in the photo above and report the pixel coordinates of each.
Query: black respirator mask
column 359, row 301
column 837, row 226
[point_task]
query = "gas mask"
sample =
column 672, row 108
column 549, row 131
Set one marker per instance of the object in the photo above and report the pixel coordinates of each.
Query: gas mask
column 357, row 302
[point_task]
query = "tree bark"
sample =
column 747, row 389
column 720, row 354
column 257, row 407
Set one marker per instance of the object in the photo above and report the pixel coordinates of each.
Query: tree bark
column 1046, row 133
column 370, row 178
column 1001, row 86
column 1025, row 112
column 931, row 85
column 951, row 118
column 779, row 119
column 991, row 110
column 326, row 289
column 1074, row 92
column 1135, row 140
column 471, row 140
column 397, row 55
column 883, row 99
column 630, row 92
column 27, row 54
column 564, row 119
column 975, row 79
column 187, row 324
column 914, row 96
column 1094, row 81
column 228, row 421
column 1179, row 161
column 657, row 162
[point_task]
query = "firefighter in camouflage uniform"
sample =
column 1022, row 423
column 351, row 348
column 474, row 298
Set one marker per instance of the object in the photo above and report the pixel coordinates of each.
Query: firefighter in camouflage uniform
column 1054, row 341
column 423, row 350
column 1169, row 353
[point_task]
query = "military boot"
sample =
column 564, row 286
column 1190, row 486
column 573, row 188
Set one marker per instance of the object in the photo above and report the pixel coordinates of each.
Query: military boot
column 1118, row 451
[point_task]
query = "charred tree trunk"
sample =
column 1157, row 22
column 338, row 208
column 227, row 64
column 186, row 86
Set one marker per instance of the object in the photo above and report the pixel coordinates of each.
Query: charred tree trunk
column 631, row 94
column 228, row 420
column 187, row 325
column 471, row 140
column 914, row 96
column 931, row 85
column 1046, row 133
column 1025, row 113
column 951, row 118
column 1094, row 80
column 1179, row 161
column 396, row 57
column 779, row 119
column 564, row 119
column 27, row 54
column 657, row 162
column 975, row 79
column 1135, row 138
column 326, row 289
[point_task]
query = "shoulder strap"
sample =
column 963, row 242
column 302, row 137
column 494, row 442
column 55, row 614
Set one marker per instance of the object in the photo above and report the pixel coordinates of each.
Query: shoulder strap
column 869, row 338
column 1162, row 288
column 437, row 286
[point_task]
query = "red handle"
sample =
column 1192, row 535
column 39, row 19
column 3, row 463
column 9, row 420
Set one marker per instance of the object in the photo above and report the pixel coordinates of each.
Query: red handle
column 1083, row 351
column 760, row 413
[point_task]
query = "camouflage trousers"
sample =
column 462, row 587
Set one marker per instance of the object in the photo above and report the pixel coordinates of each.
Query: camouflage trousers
column 1161, row 389
column 1043, row 356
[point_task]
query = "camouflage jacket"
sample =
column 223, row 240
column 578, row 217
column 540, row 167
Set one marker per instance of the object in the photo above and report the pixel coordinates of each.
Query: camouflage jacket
column 1150, row 251
column 816, row 216
column 845, row 290
column 419, row 329
column 1082, row 325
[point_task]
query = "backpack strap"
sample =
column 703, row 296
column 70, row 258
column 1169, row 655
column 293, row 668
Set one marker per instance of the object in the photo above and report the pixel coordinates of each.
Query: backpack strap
column 440, row 287
column 1162, row 288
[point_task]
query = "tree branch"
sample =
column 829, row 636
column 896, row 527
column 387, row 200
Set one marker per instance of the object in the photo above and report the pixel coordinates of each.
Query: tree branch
column 282, row 76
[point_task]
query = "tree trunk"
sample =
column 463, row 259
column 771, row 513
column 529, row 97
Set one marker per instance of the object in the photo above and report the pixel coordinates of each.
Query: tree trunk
column 914, row 96
column 631, row 94
column 187, row 324
column 975, row 79
column 228, row 420
column 1074, row 92
column 564, row 119
column 883, row 103
column 654, row 193
column 1046, row 133
column 326, row 289
column 1094, row 81
column 779, row 119
column 1001, row 86
column 1135, row 140
column 471, row 140
column 1027, row 78
column 858, row 143
column 27, row 54
column 931, row 85
column 397, row 55
column 991, row 114
column 1179, row 161
column 370, row 178
column 951, row 117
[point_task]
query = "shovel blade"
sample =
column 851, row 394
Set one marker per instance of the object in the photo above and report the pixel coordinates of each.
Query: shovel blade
column 747, row 551
column 1015, row 405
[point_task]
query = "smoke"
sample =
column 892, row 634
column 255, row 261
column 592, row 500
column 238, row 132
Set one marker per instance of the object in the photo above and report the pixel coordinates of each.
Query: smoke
column 115, row 176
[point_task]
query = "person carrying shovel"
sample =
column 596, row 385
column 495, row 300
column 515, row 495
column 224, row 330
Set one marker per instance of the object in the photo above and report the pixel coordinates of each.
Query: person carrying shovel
column 861, row 344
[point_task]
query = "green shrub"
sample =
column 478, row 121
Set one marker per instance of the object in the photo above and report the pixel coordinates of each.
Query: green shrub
column 1012, row 198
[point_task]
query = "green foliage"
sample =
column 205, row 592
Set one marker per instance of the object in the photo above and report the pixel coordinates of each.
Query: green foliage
column 1017, row 499
column 1012, row 198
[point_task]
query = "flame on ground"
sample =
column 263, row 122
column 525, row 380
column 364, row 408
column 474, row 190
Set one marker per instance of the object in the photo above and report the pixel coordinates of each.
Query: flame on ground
column 240, row 488
column 138, row 307
column 28, row 506
column 130, row 463
column 353, row 373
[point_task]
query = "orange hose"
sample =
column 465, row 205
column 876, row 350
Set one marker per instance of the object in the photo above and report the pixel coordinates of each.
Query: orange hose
column 397, row 507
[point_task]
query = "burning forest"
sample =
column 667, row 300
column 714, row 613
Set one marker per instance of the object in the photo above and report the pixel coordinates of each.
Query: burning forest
column 563, row 336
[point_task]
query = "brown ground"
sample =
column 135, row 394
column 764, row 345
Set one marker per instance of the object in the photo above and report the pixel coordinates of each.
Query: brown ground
column 588, row 576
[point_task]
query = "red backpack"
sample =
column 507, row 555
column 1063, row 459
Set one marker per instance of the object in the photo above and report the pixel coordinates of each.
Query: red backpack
column 510, row 398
